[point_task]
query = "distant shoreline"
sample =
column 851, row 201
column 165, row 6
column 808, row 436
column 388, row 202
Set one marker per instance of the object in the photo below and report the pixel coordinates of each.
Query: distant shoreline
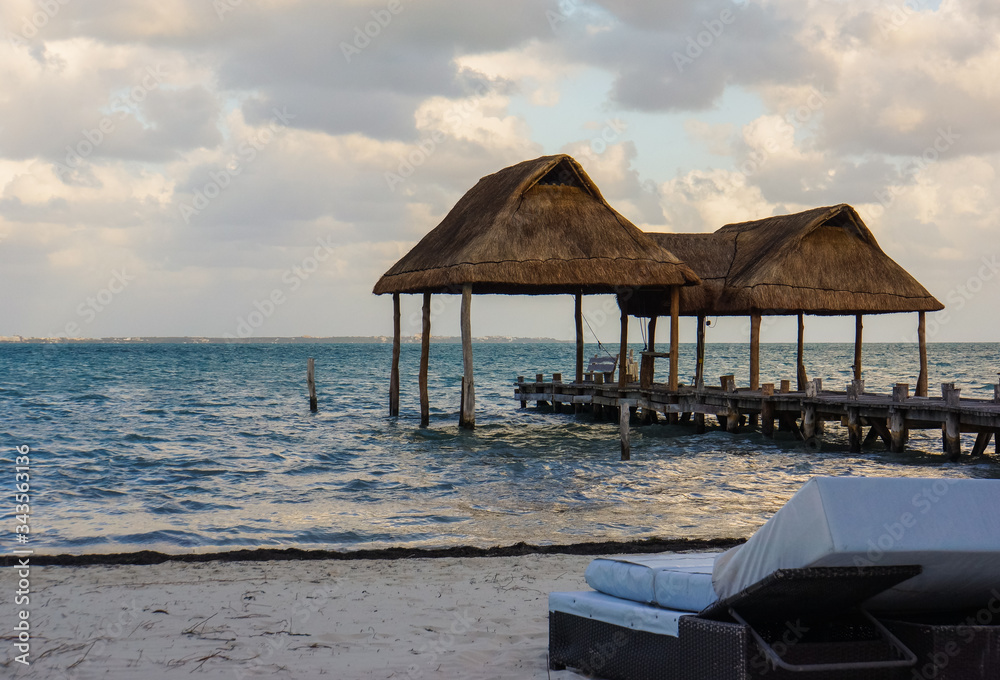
column 366, row 340
column 273, row 340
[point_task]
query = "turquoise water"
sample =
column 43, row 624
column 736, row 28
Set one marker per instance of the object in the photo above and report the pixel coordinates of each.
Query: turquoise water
column 202, row 447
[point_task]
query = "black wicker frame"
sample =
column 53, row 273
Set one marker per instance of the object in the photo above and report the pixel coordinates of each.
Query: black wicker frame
column 811, row 615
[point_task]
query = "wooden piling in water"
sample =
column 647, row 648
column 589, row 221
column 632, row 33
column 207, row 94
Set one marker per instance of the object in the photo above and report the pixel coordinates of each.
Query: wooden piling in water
column 394, row 372
column 311, row 380
column 952, row 436
column 699, row 423
column 520, row 384
column 425, row 349
column 755, row 351
column 767, row 411
column 467, row 418
column 809, row 422
column 623, row 429
column 897, row 418
column 854, row 429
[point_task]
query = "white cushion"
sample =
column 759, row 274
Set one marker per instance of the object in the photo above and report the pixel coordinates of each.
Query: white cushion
column 951, row 527
column 625, row 613
column 682, row 581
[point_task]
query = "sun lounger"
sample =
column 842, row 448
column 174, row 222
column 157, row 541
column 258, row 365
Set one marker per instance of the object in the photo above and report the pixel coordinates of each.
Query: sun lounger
column 853, row 578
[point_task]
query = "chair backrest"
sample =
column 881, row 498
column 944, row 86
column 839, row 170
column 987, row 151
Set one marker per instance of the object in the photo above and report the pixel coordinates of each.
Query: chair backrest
column 950, row 527
column 602, row 364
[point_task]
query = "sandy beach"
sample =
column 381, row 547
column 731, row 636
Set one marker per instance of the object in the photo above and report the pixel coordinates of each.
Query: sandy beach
column 410, row 618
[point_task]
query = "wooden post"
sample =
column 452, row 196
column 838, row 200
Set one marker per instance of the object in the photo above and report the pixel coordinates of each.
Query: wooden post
column 623, row 416
column 623, row 349
column 652, row 333
column 755, row 351
column 520, row 389
column 425, row 348
column 467, row 416
column 809, row 421
column 699, row 374
column 733, row 417
column 858, row 326
column 922, row 340
column 897, row 418
column 699, row 423
column 394, row 372
column 675, row 310
column 311, row 380
column 952, row 436
column 786, row 386
column 800, row 361
column 854, row 429
column 767, row 411
column 579, row 337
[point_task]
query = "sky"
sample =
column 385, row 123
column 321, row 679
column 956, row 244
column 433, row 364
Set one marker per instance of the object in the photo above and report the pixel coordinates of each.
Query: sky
column 251, row 167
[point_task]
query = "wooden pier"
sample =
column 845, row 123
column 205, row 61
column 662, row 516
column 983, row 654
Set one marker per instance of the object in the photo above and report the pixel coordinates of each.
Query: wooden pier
column 888, row 417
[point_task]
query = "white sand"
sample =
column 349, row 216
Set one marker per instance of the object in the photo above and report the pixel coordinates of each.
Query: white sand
column 406, row 619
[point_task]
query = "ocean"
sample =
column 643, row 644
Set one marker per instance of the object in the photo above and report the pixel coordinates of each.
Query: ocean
column 198, row 448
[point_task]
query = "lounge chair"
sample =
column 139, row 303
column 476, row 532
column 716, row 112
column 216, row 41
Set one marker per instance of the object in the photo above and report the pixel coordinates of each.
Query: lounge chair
column 872, row 578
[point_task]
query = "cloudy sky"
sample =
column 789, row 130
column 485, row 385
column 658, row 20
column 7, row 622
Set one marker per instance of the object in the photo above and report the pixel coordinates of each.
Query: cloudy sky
column 194, row 167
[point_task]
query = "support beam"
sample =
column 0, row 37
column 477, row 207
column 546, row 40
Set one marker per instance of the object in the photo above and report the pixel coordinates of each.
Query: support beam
column 652, row 333
column 800, row 360
column 675, row 310
column 922, row 340
column 579, row 337
column 699, row 423
column 699, row 373
column 623, row 425
column 755, row 351
column 982, row 441
column 880, row 429
column 425, row 346
column 467, row 417
column 394, row 371
column 623, row 349
column 858, row 326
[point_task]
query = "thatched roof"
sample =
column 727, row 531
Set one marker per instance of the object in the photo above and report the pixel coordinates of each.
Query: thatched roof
column 538, row 227
column 821, row 261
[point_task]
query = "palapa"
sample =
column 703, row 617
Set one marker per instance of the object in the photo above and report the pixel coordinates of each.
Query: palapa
column 539, row 227
column 820, row 261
